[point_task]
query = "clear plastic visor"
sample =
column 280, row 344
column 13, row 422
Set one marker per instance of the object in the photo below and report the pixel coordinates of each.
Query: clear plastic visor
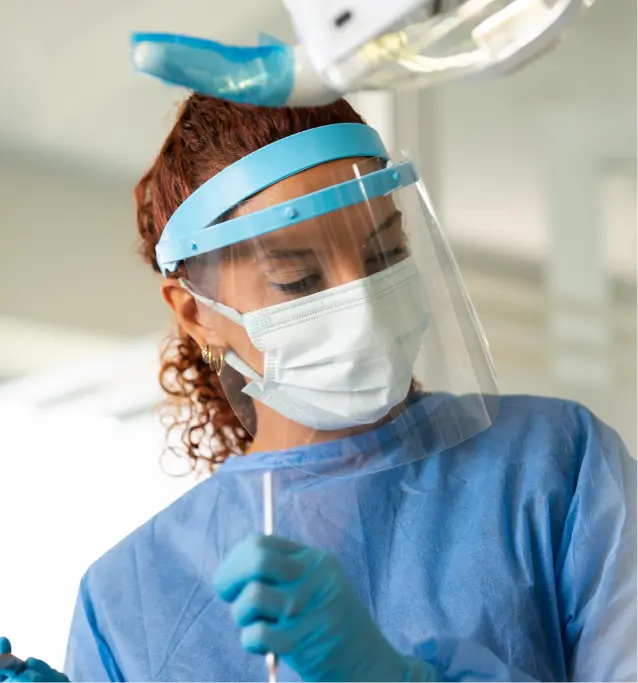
column 350, row 326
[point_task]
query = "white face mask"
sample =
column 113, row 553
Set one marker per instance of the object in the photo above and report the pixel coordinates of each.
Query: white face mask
column 339, row 358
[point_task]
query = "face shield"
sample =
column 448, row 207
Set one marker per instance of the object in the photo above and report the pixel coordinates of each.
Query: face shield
column 322, row 276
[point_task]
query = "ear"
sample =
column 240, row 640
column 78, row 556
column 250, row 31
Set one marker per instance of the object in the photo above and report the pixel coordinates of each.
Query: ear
column 188, row 316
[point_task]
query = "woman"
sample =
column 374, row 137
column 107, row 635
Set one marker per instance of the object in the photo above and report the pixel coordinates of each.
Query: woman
column 425, row 530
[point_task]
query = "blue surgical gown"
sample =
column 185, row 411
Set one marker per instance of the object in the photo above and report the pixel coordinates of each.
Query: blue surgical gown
column 511, row 556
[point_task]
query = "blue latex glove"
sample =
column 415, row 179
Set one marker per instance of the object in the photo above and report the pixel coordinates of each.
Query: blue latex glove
column 14, row 670
column 297, row 602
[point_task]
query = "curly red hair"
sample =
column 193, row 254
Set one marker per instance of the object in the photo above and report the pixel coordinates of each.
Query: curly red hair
column 209, row 135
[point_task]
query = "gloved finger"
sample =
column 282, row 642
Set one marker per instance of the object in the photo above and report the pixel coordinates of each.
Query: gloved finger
column 272, row 543
column 258, row 602
column 257, row 558
column 262, row 601
column 10, row 665
column 42, row 673
column 48, row 673
column 275, row 543
column 262, row 637
column 26, row 676
column 5, row 649
column 39, row 666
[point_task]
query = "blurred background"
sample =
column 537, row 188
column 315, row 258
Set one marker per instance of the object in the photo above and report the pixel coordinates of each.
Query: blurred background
column 534, row 178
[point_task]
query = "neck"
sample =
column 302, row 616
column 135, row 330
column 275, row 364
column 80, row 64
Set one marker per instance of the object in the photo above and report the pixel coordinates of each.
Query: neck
column 278, row 433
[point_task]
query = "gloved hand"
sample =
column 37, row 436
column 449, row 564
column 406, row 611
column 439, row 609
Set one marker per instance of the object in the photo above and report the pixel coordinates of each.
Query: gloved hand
column 14, row 670
column 297, row 602
column 8, row 663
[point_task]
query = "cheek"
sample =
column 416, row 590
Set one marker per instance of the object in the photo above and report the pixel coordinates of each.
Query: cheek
column 243, row 286
column 237, row 339
column 219, row 331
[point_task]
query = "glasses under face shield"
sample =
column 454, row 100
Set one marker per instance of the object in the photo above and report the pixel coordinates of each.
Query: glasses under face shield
column 337, row 304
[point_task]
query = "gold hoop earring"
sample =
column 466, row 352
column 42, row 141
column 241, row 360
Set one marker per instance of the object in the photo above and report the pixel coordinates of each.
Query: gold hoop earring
column 214, row 357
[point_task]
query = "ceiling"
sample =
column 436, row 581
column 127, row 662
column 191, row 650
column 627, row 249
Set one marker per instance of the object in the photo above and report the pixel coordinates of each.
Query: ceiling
column 65, row 70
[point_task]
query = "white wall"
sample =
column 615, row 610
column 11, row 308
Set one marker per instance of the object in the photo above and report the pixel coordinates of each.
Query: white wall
column 493, row 137
column 68, row 245
column 512, row 303
column 71, row 489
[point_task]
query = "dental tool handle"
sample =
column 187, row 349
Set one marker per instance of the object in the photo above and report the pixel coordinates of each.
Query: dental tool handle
column 272, row 664
column 269, row 528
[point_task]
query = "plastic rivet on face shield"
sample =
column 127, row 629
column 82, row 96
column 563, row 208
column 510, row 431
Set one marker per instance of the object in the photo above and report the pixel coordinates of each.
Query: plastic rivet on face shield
column 321, row 275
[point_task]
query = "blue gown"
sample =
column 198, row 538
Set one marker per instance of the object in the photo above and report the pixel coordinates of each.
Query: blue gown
column 509, row 557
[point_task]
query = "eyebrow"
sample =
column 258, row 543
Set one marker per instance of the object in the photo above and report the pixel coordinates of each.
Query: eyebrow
column 287, row 254
column 385, row 224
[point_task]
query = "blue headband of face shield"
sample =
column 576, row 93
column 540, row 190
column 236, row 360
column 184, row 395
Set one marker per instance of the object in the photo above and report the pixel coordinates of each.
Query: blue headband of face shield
column 192, row 229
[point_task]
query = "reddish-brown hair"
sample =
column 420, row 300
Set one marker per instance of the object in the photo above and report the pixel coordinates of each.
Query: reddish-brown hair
column 209, row 135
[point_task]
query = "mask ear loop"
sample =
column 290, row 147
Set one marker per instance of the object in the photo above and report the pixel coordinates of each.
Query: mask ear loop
column 226, row 311
column 230, row 356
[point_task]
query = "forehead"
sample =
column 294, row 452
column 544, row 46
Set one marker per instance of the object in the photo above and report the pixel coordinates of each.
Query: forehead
column 354, row 221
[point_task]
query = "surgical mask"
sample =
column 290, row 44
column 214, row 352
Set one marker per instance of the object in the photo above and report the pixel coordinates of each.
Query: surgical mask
column 339, row 358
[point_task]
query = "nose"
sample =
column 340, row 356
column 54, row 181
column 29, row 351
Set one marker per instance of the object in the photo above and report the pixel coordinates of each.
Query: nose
column 345, row 269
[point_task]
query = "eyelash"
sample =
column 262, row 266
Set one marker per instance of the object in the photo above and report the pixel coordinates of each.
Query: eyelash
column 309, row 281
column 299, row 286
column 386, row 256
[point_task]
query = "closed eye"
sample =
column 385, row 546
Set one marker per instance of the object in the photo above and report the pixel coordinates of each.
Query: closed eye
column 386, row 258
column 306, row 284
